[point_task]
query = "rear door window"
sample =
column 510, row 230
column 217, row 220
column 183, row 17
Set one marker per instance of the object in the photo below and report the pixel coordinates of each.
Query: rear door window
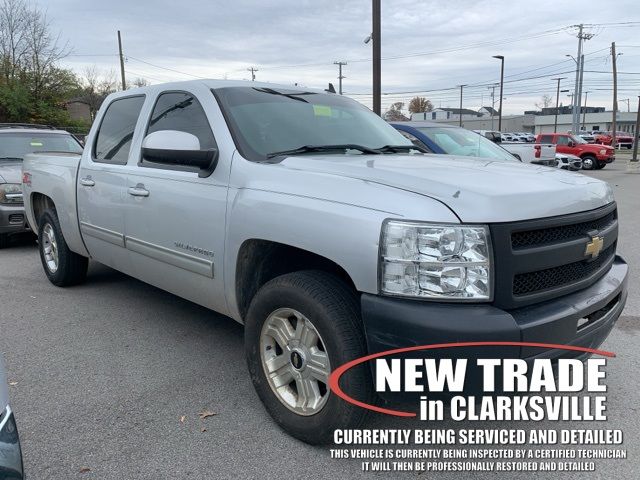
column 113, row 140
column 546, row 138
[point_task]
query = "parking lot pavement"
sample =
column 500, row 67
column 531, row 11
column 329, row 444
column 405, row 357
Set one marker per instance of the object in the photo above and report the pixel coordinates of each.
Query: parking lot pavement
column 111, row 375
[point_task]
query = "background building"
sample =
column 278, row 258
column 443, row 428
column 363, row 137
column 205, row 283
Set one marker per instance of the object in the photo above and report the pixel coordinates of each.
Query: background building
column 625, row 122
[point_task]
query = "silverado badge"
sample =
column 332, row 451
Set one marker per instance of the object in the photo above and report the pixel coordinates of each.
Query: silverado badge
column 594, row 246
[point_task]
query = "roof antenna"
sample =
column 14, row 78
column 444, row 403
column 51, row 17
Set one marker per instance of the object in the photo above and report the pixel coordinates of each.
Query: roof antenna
column 331, row 88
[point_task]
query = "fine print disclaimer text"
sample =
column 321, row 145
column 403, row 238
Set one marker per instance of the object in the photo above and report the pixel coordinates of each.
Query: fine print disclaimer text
column 469, row 450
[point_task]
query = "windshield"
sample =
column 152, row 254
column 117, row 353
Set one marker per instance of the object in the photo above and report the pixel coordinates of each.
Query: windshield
column 458, row 141
column 264, row 121
column 578, row 139
column 15, row 145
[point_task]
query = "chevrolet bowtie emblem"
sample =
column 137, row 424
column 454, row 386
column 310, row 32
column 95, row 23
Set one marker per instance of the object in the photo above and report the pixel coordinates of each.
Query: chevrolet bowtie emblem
column 594, row 246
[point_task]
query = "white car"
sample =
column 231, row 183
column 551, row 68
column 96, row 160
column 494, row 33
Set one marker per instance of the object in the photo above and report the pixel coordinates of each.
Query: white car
column 566, row 161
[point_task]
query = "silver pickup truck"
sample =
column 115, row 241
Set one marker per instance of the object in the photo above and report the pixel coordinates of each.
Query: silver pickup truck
column 307, row 218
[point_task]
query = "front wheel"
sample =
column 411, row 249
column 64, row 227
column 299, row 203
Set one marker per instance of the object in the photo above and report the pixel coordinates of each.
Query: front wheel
column 299, row 327
column 62, row 266
column 589, row 162
column 4, row 240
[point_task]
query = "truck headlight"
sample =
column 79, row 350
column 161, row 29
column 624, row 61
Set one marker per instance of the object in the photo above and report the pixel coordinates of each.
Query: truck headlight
column 603, row 152
column 437, row 261
column 10, row 193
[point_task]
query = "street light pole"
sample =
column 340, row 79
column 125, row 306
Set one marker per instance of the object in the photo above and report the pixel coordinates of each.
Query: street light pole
column 501, row 58
column 555, row 122
column 584, row 111
column 460, row 112
column 377, row 56
column 637, row 132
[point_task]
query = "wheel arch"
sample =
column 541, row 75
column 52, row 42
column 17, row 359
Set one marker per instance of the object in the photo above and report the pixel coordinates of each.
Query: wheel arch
column 259, row 261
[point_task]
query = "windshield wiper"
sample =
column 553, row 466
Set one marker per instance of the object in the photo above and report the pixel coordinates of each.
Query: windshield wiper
column 324, row 148
column 401, row 148
column 293, row 96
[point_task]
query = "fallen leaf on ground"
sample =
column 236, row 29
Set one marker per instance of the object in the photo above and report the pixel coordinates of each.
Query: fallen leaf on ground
column 85, row 470
column 183, row 418
column 203, row 430
column 13, row 384
column 205, row 414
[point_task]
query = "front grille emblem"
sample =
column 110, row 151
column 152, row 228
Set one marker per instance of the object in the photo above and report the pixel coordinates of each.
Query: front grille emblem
column 594, row 247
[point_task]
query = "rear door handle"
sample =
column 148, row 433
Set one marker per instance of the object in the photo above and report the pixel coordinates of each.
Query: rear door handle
column 87, row 182
column 139, row 191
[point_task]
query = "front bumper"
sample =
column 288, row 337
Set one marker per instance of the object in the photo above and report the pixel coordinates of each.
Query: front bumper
column 10, row 452
column 13, row 219
column 583, row 318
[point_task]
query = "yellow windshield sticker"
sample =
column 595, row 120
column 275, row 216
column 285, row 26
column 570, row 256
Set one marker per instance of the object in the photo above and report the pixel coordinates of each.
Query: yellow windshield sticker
column 322, row 110
column 35, row 143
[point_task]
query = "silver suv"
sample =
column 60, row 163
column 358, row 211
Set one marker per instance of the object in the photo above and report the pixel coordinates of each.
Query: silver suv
column 16, row 140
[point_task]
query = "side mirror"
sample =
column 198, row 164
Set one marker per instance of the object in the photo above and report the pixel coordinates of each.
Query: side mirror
column 172, row 147
column 572, row 143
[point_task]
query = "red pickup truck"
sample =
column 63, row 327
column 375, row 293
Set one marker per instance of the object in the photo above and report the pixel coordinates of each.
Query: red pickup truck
column 592, row 155
column 622, row 139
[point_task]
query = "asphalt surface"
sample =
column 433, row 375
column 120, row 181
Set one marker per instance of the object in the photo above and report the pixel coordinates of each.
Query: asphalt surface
column 108, row 379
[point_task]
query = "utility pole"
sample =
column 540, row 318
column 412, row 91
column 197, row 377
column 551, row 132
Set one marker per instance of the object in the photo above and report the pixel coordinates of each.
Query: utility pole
column 628, row 105
column 636, row 138
column 124, row 83
column 377, row 56
column 615, row 95
column 253, row 71
column 340, row 76
column 460, row 112
column 575, row 125
column 501, row 58
column 584, row 111
column 555, row 122
column 579, row 94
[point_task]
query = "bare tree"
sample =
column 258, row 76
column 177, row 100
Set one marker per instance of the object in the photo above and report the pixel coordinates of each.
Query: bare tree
column 394, row 113
column 419, row 105
column 96, row 85
column 14, row 46
column 545, row 102
column 138, row 82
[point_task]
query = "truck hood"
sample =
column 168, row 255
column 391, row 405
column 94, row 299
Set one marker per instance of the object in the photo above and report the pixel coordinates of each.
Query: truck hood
column 10, row 172
column 476, row 190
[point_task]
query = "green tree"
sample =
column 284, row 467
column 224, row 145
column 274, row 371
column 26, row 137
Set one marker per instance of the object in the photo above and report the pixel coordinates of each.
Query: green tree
column 33, row 88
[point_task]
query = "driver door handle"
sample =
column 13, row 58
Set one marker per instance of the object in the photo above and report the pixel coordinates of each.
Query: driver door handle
column 87, row 181
column 138, row 191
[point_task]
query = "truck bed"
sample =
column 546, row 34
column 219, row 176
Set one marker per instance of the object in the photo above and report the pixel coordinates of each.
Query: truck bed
column 53, row 175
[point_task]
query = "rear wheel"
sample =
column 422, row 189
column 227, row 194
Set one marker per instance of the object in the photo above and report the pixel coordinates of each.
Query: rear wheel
column 299, row 327
column 62, row 266
column 589, row 162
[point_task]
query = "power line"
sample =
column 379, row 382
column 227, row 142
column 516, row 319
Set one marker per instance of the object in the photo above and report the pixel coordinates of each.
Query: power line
column 129, row 57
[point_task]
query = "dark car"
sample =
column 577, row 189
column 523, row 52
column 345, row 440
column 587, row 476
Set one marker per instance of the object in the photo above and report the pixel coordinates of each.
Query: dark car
column 10, row 451
column 451, row 140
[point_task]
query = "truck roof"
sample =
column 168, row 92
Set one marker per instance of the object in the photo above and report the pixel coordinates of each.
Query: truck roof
column 208, row 83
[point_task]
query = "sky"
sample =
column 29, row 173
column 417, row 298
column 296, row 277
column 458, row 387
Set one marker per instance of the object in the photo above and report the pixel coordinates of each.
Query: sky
column 428, row 47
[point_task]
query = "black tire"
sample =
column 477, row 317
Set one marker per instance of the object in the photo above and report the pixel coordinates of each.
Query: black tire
column 334, row 310
column 589, row 162
column 4, row 240
column 72, row 268
column 600, row 165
